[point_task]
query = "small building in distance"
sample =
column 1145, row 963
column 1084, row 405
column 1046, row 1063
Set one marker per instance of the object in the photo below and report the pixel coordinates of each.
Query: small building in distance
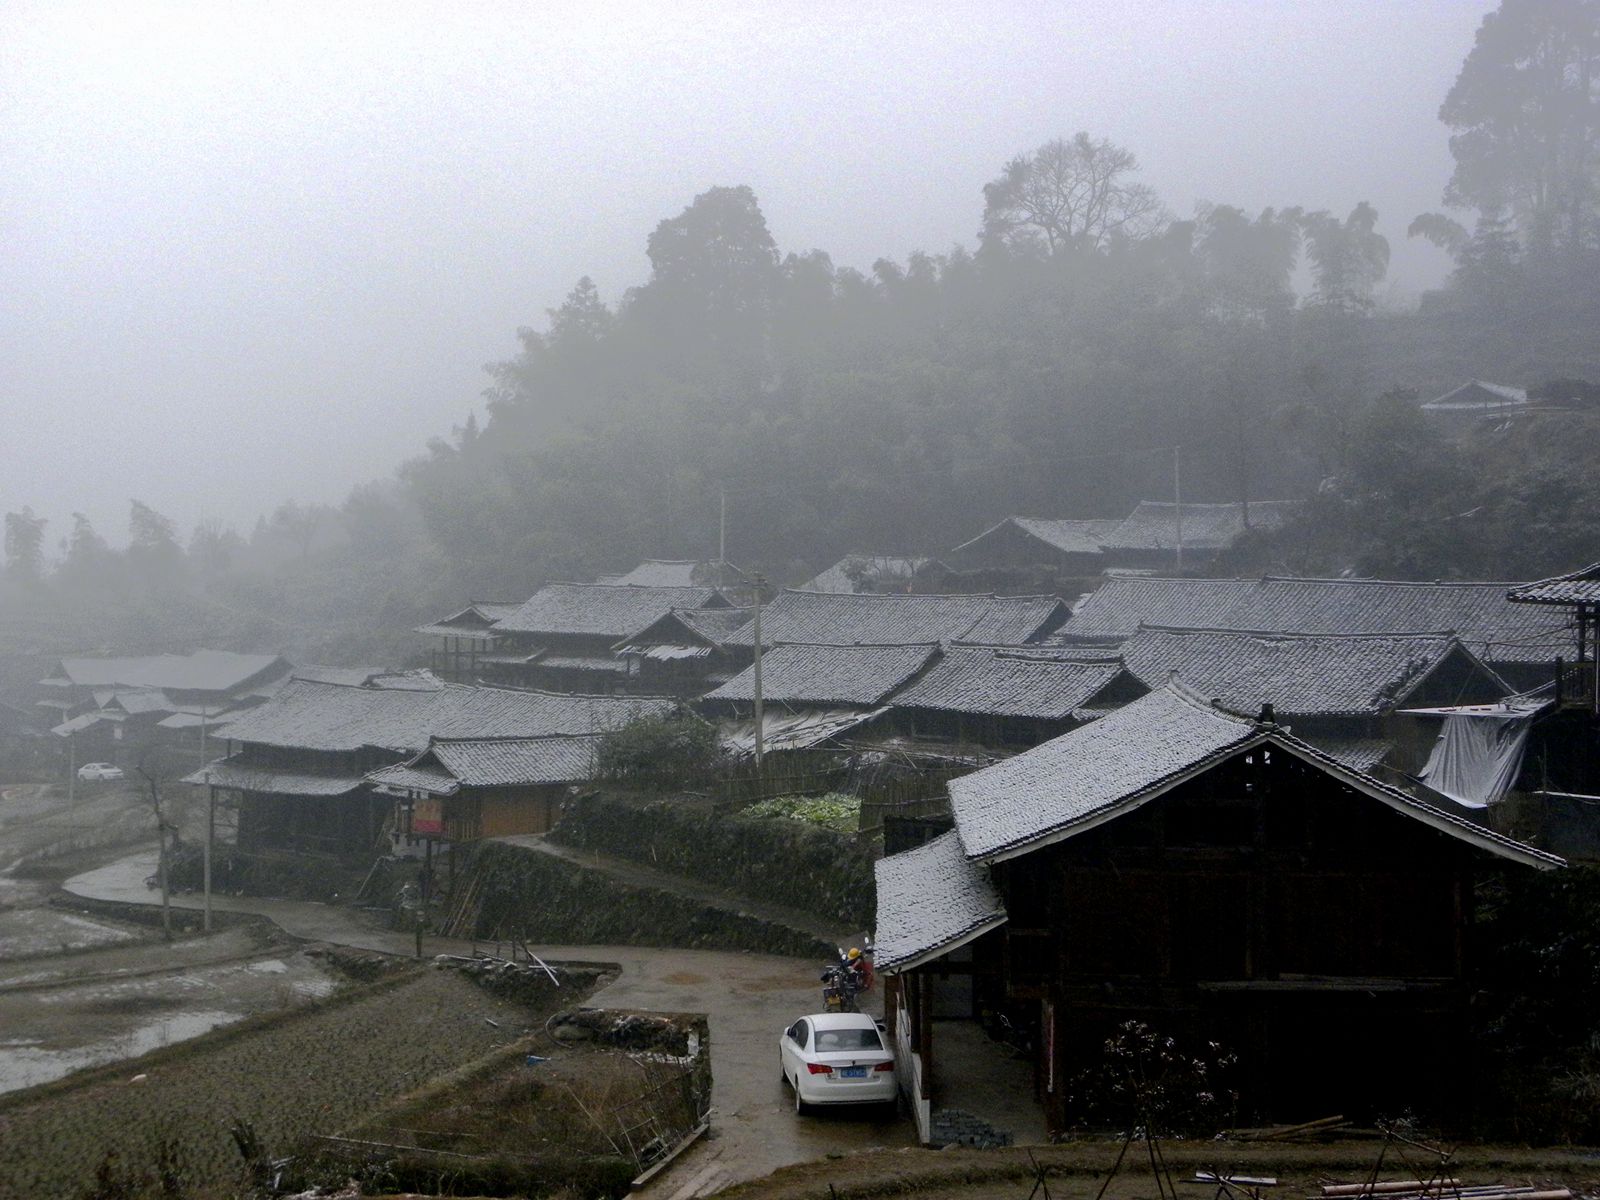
column 298, row 764
column 564, row 637
column 463, row 636
column 686, row 652
column 728, row 579
column 883, row 573
column 1519, row 642
column 813, row 693
column 464, row 789
column 1152, row 536
column 834, row 618
column 100, row 703
column 1338, row 691
column 1004, row 699
column 1067, row 546
column 1475, row 403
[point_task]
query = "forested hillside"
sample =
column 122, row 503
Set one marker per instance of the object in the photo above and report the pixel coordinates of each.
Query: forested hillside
column 1090, row 340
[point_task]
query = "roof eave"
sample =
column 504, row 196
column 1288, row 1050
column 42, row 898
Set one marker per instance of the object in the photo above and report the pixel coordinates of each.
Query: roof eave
column 949, row 945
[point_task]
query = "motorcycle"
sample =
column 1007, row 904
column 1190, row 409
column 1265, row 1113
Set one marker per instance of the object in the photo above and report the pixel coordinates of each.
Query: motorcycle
column 840, row 986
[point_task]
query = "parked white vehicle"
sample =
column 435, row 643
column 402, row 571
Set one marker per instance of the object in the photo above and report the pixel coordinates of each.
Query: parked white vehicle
column 99, row 772
column 837, row 1058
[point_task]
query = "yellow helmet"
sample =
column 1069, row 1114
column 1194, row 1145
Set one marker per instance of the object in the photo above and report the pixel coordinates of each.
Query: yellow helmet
column 855, row 953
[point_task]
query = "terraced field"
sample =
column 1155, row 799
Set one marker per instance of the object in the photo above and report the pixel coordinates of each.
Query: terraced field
column 312, row 1069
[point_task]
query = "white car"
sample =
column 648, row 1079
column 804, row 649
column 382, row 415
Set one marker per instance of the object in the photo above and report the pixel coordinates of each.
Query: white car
column 837, row 1058
column 99, row 772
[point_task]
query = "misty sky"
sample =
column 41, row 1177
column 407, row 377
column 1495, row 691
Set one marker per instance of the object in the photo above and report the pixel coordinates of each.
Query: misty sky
column 259, row 251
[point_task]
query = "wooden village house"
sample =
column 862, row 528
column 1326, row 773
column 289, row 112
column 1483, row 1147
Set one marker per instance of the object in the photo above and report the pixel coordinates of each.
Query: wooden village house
column 1520, row 643
column 1341, row 692
column 299, row 764
column 564, row 637
column 1215, row 877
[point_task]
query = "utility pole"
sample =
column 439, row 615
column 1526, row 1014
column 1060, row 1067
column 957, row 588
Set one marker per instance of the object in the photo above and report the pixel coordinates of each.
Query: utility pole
column 211, row 823
column 760, row 583
column 722, row 539
column 1177, row 499
column 72, row 781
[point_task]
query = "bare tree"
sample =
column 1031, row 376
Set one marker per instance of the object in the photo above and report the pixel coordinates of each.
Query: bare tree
column 152, row 782
column 1075, row 194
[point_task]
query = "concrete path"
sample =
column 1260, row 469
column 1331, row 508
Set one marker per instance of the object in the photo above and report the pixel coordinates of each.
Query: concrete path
column 748, row 998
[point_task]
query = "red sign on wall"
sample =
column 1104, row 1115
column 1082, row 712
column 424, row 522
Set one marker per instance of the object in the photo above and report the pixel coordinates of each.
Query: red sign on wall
column 427, row 816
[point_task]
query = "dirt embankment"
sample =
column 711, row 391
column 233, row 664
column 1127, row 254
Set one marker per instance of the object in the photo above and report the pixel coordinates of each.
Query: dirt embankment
column 1076, row 1170
column 313, row 1069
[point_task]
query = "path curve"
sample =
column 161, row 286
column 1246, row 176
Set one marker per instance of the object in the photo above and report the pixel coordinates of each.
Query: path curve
column 748, row 999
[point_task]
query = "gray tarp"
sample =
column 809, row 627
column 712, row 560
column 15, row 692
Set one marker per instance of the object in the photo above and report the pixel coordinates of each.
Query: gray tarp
column 1479, row 753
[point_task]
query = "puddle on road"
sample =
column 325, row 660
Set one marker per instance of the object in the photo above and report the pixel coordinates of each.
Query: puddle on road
column 49, row 1033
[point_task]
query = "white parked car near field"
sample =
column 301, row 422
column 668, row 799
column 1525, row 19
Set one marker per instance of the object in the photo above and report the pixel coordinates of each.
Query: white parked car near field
column 837, row 1058
column 99, row 772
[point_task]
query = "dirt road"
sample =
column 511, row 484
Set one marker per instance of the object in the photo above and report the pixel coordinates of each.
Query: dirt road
column 748, row 998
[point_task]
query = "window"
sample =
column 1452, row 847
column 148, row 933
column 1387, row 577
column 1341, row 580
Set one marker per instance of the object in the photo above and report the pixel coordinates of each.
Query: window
column 848, row 1039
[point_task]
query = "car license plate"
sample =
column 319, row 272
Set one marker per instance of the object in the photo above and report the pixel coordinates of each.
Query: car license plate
column 854, row 1072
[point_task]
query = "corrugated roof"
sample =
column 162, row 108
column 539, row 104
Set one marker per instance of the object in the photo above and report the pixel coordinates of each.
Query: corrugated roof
column 931, row 900
column 1153, row 525
column 781, row 730
column 1067, row 536
column 201, row 671
column 1093, row 774
column 602, row 609
column 331, row 717
column 874, row 571
column 1478, row 613
column 997, row 682
column 239, row 773
column 823, row 618
column 1298, row 674
column 822, row 674
column 1571, row 589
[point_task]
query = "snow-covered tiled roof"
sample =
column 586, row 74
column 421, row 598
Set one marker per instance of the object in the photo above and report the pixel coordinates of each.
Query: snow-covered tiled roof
column 1067, row 536
column 1154, row 524
column 1488, row 624
column 1128, row 757
column 1086, row 773
column 239, row 773
column 450, row 764
column 809, row 674
column 332, row 717
column 1570, row 590
column 995, row 681
column 200, row 671
column 875, row 571
column 602, row 609
column 824, row 618
column 1298, row 674
column 931, row 900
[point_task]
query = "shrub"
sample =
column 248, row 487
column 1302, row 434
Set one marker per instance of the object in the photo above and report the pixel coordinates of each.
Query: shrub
column 680, row 749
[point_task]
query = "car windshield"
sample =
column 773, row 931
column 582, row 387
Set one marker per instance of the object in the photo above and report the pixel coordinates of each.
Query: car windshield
column 847, row 1039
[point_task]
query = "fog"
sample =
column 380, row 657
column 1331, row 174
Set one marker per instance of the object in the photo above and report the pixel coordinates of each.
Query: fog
column 262, row 252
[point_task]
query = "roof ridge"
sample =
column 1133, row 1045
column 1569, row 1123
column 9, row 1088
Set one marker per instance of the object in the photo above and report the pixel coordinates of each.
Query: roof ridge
column 1192, row 696
column 1283, row 634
